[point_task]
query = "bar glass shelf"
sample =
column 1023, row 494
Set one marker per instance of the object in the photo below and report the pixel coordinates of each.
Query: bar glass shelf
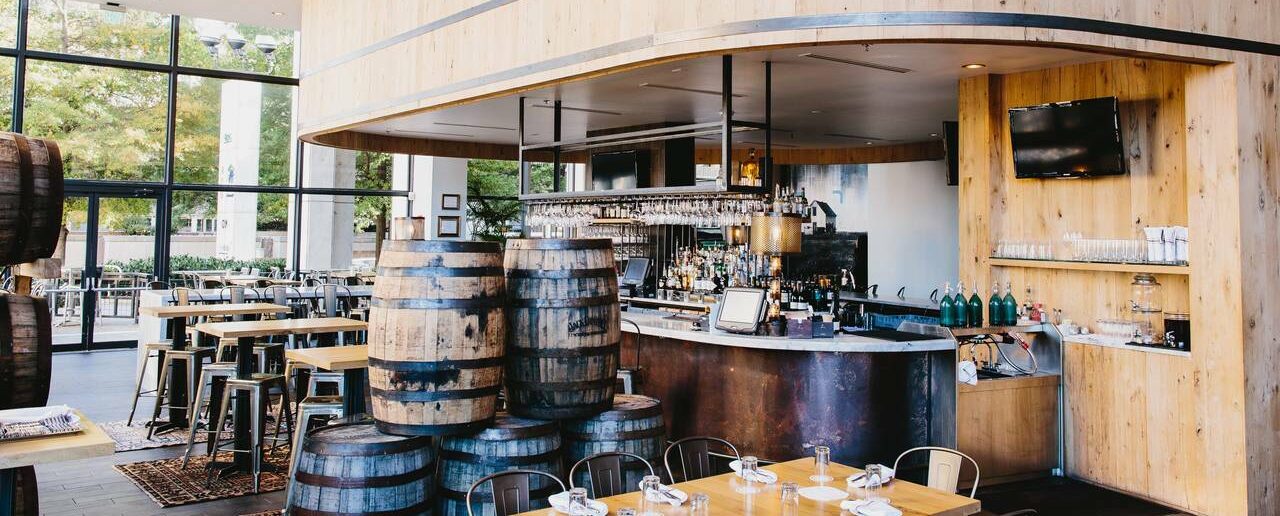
column 1153, row 268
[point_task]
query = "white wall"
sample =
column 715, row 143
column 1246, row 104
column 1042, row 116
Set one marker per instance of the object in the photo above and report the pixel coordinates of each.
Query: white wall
column 911, row 227
column 433, row 177
column 908, row 213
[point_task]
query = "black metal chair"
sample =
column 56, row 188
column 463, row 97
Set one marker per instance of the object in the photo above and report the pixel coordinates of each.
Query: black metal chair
column 695, row 457
column 510, row 490
column 605, row 472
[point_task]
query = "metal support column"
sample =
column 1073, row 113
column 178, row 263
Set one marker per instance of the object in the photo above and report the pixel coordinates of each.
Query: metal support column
column 555, row 153
column 726, row 118
column 768, row 127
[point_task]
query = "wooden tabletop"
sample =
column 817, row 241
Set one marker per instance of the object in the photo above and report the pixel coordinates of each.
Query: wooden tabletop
column 334, row 358
column 235, row 329
column 911, row 499
column 91, row 442
column 171, row 311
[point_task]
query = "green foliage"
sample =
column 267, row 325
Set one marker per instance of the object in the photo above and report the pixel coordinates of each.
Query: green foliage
column 186, row 262
column 493, row 218
column 373, row 172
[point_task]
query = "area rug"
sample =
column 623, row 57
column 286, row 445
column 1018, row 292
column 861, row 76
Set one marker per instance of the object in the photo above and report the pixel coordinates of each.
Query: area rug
column 169, row 485
column 134, row 437
column 264, row 513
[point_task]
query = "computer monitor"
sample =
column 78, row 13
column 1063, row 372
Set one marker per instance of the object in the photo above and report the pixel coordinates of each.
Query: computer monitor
column 637, row 270
column 741, row 310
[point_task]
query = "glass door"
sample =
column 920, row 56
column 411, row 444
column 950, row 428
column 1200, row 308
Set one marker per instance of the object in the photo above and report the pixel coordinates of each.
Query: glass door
column 110, row 260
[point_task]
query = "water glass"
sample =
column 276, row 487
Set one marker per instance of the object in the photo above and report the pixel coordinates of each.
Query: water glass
column 821, row 460
column 649, row 495
column 699, row 505
column 790, row 498
column 875, row 477
column 577, row 498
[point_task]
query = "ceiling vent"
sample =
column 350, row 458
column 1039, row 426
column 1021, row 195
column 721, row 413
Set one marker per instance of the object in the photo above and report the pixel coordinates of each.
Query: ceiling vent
column 864, row 64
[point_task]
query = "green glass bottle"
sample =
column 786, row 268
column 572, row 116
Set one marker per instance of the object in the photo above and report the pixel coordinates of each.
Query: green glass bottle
column 995, row 310
column 960, row 307
column 975, row 308
column 1009, row 306
column 946, row 307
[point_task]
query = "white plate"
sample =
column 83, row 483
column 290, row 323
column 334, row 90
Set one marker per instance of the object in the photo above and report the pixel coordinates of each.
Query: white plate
column 560, row 502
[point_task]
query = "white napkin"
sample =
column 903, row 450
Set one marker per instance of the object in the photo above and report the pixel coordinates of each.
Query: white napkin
column 870, row 508
column 60, row 413
column 763, row 476
column 967, row 372
column 560, row 502
column 677, row 497
column 860, row 480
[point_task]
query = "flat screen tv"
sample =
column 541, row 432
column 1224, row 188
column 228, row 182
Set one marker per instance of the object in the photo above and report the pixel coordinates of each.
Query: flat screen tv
column 1080, row 138
column 620, row 170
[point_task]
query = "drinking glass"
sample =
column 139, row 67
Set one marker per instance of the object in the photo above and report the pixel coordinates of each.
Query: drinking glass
column 790, row 499
column 875, row 476
column 699, row 505
column 750, row 470
column 650, row 496
column 821, row 460
column 578, row 500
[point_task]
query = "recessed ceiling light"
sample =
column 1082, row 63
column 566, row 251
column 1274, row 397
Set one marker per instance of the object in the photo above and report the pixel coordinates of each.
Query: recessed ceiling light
column 277, row 13
column 935, row 135
column 815, row 111
column 868, row 143
column 973, row 66
column 677, row 70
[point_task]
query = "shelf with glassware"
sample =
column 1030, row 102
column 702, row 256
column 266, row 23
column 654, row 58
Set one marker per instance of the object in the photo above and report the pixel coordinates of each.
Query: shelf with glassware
column 1133, row 267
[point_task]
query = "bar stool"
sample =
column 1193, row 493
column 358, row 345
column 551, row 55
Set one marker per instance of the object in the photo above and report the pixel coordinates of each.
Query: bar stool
column 181, row 297
column 308, row 408
column 222, row 370
column 193, row 359
column 261, row 353
column 314, row 377
column 259, row 388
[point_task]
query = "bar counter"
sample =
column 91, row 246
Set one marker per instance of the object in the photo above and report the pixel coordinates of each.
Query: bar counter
column 774, row 397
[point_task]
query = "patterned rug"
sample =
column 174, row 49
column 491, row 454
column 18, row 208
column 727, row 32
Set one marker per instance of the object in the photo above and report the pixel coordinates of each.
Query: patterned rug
column 169, row 485
column 130, row 438
column 264, row 513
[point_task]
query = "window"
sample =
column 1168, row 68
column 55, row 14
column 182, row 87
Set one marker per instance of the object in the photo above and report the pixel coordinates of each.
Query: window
column 8, row 23
column 221, row 45
column 233, row 132
column 228, row 230
column 6, row 93
column 341, row 232
column 91, row 29
column 109, row 122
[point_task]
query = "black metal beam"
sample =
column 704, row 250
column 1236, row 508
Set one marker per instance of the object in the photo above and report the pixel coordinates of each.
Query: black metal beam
column 767, row 176
column 164, row 203
column 726, row 118
column 555, row 153
column 20, row 67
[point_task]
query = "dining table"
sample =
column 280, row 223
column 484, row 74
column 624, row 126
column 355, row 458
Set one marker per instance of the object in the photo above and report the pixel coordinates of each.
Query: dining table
column 177, row 316
column 245, row 333
column 91, row 441
column 729, row 495
column 353, row 361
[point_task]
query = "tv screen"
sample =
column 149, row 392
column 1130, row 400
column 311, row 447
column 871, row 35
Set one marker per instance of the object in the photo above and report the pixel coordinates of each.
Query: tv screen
column 620, row 170
column 1080, row 138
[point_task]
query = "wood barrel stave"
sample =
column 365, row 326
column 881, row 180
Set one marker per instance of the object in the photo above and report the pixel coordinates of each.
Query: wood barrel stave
column 634, row 425
column 509, row 443
column 436, row 333
column 31, row 198
column 564, row 327
column 352, row 468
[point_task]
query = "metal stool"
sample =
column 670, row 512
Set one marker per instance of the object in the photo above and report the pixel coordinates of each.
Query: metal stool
column 223, row 370
column 314, row 378
column 260, row 353
column 159, row 348
column 627, row 376
column 194, row 360
column 259, row 388
column 312, row 406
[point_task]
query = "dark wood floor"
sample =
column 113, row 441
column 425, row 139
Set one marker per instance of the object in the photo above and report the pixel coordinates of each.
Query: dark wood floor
column 101, row 383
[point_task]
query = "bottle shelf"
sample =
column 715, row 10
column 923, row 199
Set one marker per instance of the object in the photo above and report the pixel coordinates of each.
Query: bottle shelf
column 1153, row 268
column 989, row 330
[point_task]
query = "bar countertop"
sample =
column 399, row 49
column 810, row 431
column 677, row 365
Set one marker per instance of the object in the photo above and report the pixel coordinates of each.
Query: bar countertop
column 657, row 324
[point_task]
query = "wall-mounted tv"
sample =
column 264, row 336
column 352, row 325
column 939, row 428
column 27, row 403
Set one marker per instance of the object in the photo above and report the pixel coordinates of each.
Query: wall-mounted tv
column 1080, row 138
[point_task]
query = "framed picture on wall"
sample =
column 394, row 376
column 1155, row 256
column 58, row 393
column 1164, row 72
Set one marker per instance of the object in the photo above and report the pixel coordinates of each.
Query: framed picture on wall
column 450, row 201
column 448, row 226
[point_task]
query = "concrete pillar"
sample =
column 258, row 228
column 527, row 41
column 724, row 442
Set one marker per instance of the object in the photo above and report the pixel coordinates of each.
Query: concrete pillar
column 433, row 178
column 239, row 141
column 328, row 220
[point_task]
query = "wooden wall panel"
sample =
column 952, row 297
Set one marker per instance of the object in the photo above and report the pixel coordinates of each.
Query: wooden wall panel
column 524, row 44
column 1149, row 424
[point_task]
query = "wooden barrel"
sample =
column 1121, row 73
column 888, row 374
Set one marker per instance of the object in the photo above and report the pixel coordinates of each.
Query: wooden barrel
column 30, row 198
column 633, row 425
column 26, row 346
column 436, row 337
column 352, row 468
column 563, row 320
column 510, row 443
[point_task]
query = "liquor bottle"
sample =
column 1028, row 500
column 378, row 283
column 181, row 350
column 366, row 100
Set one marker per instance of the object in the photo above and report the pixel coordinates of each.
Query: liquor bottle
column 803, row 203
column 785, row 296
column 975, row 308
column 947, row 308
column 960, row 306
column 995, row 311
column 1009, row 306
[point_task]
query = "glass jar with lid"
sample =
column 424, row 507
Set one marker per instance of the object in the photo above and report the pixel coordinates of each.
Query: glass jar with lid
column 1145, row 308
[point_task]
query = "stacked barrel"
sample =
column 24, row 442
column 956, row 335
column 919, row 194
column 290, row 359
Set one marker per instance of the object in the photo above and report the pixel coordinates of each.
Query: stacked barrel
column 30, row 223
column 450, row 324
